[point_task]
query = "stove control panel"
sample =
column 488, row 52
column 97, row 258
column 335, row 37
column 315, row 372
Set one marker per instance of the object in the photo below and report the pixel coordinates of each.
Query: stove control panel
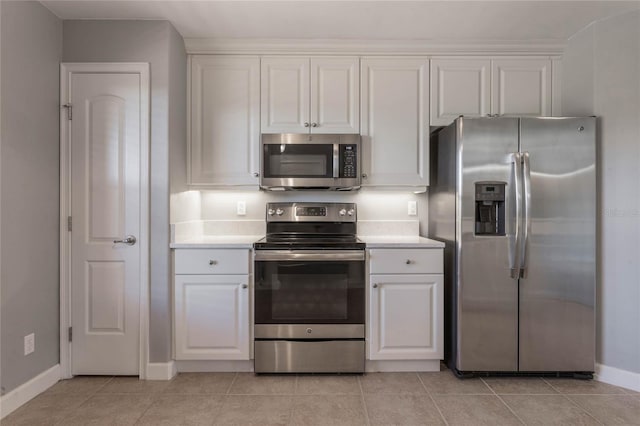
column 311, row 212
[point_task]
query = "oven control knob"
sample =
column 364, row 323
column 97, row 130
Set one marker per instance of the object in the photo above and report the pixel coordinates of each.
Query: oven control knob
column 279, row 212
column 342, row 212
column 271, row 212
column 351, row 212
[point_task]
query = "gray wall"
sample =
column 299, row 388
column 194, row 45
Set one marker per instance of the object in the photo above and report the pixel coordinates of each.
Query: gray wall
column 158, row 43
column 31, row 49
column 602, row 77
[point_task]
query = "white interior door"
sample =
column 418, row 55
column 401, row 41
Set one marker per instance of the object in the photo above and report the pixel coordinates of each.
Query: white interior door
column 105, row 150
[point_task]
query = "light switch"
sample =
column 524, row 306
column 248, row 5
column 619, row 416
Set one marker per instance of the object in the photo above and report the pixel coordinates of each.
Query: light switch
column 412, row 208
column 241, row 208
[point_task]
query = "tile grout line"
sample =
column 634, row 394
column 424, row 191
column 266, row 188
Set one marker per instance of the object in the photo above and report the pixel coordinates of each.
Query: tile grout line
column 293, row 399
column 89, row 395
column 572, row 401
column 433, row 400
column 364, row 403
column 153, row 401
column 233, row 381
column 502, row 400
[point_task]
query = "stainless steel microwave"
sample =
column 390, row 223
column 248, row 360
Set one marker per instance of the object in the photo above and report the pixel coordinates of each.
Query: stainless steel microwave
column 307, row 161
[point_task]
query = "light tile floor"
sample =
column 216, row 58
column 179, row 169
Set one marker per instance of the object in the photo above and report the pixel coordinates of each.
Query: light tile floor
column 372, row 399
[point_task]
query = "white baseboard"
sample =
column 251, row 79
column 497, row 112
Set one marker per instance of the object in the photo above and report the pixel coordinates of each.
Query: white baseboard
column 214, row 366
column 618, row 377
column 29, row 390
column 161, row 370
column 401, row 366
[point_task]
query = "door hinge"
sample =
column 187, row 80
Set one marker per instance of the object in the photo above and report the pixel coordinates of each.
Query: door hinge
column 69, row 223
column 71, row 334
column 69, row 108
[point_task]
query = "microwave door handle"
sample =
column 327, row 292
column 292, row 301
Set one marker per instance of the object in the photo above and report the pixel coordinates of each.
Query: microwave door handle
column 515, row 255
column 336, row 161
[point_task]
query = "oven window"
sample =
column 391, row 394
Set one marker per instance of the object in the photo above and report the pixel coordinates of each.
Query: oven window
column 289, row 292
column 292, row 160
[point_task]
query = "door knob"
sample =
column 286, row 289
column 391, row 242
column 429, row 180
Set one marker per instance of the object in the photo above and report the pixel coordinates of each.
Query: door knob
column 128, row 240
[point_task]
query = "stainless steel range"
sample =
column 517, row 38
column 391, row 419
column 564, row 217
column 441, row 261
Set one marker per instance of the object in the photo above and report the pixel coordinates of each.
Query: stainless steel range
column 309, row 290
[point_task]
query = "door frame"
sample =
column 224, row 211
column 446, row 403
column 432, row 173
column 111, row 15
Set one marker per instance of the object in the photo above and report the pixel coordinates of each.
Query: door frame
column 66, row 70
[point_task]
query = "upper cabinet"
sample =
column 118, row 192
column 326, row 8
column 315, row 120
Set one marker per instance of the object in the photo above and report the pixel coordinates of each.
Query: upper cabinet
column 302, row 94
column 476, row 87
column 521, row 87
column 395, row 121
column 225, row 120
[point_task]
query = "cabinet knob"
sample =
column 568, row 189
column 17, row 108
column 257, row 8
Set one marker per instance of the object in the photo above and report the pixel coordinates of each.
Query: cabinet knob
column 306, row 124
column 213, row 262
column 408, row 262
column 256, row 174
column 364, row 176
column 375, row 286
column 314, row 124
column 244, row 286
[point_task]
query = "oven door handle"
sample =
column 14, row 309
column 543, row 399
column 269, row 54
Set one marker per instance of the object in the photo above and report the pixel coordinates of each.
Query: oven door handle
column 309, row 255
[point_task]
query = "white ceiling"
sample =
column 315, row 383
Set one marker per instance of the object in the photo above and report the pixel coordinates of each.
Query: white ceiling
column 381, row 20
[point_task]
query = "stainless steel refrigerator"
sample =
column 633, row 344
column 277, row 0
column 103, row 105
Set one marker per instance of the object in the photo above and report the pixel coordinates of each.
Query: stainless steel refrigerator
column 514, row 200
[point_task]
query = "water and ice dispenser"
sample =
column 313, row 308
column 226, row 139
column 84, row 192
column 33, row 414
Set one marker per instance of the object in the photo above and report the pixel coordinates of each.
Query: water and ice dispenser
column 490, row 209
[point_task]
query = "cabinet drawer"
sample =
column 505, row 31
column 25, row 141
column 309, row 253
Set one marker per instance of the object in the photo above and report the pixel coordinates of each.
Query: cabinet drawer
column 212, row 261
column 405, row 261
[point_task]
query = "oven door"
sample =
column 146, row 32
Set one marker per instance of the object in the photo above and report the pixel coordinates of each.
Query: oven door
column 309, row 287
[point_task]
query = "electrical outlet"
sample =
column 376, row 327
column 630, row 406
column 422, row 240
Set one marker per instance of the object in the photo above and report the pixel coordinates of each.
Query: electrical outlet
column 29, row 343
column 241, row 208
column 412, row 208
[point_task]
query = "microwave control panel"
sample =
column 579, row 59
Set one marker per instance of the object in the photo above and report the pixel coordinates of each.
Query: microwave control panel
column 348, row 161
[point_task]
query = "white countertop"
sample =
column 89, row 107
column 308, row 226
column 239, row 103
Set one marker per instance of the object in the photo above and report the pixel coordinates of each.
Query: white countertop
column 246, row 241
column 215, row 241
column 400, row 241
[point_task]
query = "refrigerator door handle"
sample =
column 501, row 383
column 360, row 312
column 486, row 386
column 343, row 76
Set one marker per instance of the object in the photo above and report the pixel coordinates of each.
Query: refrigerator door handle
column 516, row 257
column 526, row 174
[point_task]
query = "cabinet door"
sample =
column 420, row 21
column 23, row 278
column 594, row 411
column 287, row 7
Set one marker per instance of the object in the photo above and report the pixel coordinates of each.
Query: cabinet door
column 212, row 317
column 395, row 121
column 335, row 95
column 521, row 87
column 225, row 127
column 285, row 95
column 459, row 87
column 406, row 317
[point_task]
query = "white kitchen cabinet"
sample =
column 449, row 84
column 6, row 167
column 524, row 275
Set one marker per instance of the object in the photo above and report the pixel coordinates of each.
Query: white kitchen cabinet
column 521, row 86
column 303, row 94
column 476, row 87
column 211, row 310
column 459, row 87
column 395, row 121
column 406, row 309
column 224, row 116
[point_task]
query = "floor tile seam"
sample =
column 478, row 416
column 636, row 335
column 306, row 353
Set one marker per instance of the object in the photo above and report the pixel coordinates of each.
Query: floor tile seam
column 70, row 411
column 582, row 409
column 233, row 381
column 503, row 401
column 364, row 402
column 433, row 401
column 144, row 412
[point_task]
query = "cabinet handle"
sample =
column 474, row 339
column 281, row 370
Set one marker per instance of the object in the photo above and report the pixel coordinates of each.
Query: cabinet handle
column 306, row 124
column 375, row 286
column 314, row 124
column 213, row 262
column 244, row 286
column 364, row 176
column 256, row 174
column 408, row 262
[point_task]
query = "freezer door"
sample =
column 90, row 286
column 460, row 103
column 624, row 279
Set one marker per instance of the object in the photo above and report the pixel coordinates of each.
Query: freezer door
column 487, row 318
column 557, row 291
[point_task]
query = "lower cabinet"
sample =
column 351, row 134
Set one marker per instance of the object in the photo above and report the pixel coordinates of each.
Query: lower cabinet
column 406, row 318
column 211, row 311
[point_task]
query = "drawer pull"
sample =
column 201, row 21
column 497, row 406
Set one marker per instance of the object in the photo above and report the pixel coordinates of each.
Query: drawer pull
column 409, row 262
column 213, row 262
column 375, row 286
column 244, row 286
